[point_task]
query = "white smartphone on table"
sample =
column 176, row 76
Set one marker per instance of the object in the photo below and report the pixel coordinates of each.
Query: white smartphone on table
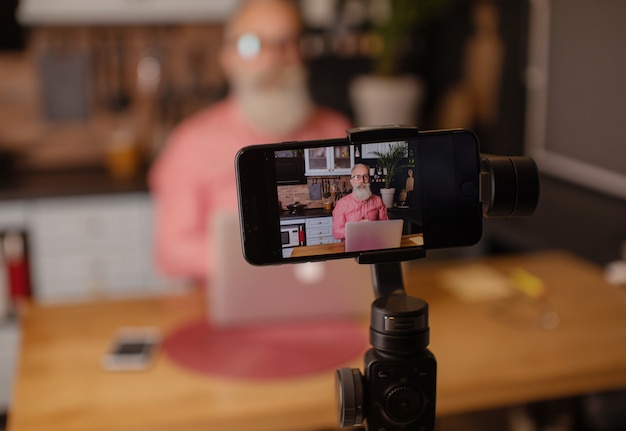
column 132, row 349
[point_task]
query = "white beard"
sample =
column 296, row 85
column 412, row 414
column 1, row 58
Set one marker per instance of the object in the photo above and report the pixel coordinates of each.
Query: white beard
column 277, row 101
column 362, row 193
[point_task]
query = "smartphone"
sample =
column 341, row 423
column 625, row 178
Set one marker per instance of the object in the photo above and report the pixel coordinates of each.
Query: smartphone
column 132, row 349
column 436, row 196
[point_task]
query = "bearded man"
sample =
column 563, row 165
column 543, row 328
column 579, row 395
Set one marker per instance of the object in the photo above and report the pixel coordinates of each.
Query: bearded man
column 360, row 205
column 194, row 176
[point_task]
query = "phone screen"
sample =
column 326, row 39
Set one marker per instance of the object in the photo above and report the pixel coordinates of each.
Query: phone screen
column 348, row 199
column 134, row 348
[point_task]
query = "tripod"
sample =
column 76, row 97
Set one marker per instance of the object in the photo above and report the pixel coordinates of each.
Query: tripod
column 398, row 389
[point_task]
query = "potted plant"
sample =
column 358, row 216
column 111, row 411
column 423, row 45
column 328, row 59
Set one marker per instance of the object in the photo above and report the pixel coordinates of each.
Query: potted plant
column 388, row 96
column 389, row 160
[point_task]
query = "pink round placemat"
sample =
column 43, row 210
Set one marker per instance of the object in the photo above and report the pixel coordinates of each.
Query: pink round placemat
column 266, row 351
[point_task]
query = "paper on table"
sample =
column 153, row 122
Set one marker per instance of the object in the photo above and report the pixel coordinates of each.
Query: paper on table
column 477, row 282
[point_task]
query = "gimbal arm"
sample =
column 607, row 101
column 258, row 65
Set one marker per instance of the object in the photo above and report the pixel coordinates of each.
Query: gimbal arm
column 387, row 279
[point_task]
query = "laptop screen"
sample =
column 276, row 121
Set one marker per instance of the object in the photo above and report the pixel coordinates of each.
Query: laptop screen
column 240, row 293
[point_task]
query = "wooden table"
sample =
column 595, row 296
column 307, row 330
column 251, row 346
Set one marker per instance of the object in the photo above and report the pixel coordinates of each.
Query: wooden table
column 338, row 247
column 488, row 359
column 484, row 361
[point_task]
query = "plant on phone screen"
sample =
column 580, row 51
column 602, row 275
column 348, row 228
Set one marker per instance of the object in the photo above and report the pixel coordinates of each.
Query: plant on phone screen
column 390, row 160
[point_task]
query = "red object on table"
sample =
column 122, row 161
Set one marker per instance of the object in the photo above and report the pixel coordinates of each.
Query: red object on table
column 18, row 278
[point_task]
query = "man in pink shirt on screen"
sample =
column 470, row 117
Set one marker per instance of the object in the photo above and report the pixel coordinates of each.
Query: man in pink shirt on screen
column 360, row 205
column 194, row 176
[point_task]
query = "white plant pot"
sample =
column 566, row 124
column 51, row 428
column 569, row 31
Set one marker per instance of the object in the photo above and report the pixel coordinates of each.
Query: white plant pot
column 379, row 100
column 387, row 196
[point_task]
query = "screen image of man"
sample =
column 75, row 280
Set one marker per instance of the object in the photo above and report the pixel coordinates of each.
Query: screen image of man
column 360, row 205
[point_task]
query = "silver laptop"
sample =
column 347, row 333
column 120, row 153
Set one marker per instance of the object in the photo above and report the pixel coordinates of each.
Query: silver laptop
column 373, row 235
column 242, row 294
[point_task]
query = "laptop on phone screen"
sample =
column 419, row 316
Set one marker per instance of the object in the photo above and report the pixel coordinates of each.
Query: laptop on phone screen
column 373, row 235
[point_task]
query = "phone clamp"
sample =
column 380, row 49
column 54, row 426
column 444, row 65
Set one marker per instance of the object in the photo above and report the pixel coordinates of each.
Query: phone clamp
column 398, row 389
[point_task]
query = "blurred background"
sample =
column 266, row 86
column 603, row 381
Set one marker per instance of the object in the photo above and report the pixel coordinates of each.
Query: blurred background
column 97, row 89
column 89, row 93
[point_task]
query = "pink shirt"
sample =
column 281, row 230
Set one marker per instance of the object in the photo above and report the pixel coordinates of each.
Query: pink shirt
column 349, row 208
column 194, row 177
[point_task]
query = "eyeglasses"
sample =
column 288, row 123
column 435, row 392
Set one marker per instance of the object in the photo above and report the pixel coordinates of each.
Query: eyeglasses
column 361, row 177
column 250, row 45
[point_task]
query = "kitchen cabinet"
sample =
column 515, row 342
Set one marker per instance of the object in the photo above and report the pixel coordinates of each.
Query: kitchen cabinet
column 329, row 160
column 290, row 170
column 88, row 246
column 319, row 230
column 368, row 150
column 12, row 215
